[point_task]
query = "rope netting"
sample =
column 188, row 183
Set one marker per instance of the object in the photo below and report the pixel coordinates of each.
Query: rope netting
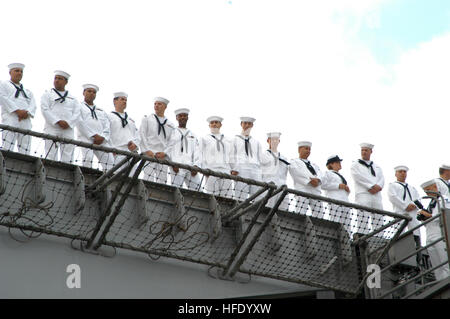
column 236, row 226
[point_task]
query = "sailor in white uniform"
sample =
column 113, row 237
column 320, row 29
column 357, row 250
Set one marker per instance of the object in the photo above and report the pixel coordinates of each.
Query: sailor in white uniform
column 94, row 128
column 155, row 132
column 216, row 153
column 369, row 181
column 124, row 134
column 307, row 178
column 438, row 253
column 336, row 187
column 405, row 198
column 184, row 147
column 18, row 108
column 246, row 159
column 61, row 112
column 274, row 168
column 443, row 182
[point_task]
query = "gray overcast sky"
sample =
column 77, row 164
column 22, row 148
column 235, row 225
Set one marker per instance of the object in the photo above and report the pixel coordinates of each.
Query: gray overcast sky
column 304, row 68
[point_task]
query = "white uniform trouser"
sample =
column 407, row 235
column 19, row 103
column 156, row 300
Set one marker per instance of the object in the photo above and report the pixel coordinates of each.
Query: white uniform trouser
column 11, row 138
column 106, row 160
column 65, row 150
column 219, row 186
column 362, row 218
column 438, row 255
column 184, row 176
column 342, row 215
column 155, row 172
column 243, row 190
column 316, row 206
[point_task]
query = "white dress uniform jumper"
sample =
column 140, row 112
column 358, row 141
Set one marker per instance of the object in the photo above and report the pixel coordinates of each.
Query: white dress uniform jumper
column 15, row 97
column 275, row 168
column 216, row 154
column 246, row 159
column 184, row 147
column 123, row 130
column 365, row 175
column 155, row 133
column 438, row 253
column 302, row 171
column 94, row 121
column 401, row 195
column 56, row 106
column 443, row 187
column 330, row 184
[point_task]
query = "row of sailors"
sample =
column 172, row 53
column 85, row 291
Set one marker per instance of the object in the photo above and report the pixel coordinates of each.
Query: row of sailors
column 241, row 155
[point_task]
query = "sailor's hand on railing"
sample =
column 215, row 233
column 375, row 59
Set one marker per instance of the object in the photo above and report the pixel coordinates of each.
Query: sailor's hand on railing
column 411, row 207
column 235, row 173
column 314, row 182
column 423, row 215
column 149, row 154
column 375, row 189
column 98, row 140
column 21, row 114
column 175, row 169
column 131, row 146
column 160, row 155
column 63, row 124
column 344, row 187
column 193, row 173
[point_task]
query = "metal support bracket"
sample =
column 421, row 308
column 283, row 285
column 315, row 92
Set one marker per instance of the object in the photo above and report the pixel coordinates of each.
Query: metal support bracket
column 178, row 217
column 79, row 187
column 273, row 233
column 141, row 216
column 310, row 239
column 2, row 174
column 346, row 247
column 216, row 218
column 39, row 181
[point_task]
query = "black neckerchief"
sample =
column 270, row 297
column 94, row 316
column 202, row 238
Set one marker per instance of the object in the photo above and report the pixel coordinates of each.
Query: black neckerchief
column 219, row 142
column 405, row 189
column 124, row 120
column 309, row 167
column 248, row 147
column 93, row 114
column 62, row 98
column 342, row 177
column 18, row 90
column 368, row 166
column 161, row 126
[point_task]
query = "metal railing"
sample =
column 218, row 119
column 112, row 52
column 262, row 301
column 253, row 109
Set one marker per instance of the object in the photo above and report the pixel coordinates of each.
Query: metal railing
column 323, row 244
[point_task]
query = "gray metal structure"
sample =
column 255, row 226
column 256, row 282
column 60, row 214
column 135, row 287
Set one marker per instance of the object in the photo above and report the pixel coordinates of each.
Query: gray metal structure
column 115, row 214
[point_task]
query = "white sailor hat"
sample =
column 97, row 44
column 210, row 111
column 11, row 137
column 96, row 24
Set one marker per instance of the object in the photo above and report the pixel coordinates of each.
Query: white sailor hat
column 16, row 66
column 366, row 145
column 333, row 159
column 161, row 99
column 428, row 183
column 90, row 86
column 120, row 94
column 273, row 134
column 401, row 168
column 247, row 119
column 214, row 118
column 304, row 143
column 62, row 73
column 181, row 111
column 443, row 166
